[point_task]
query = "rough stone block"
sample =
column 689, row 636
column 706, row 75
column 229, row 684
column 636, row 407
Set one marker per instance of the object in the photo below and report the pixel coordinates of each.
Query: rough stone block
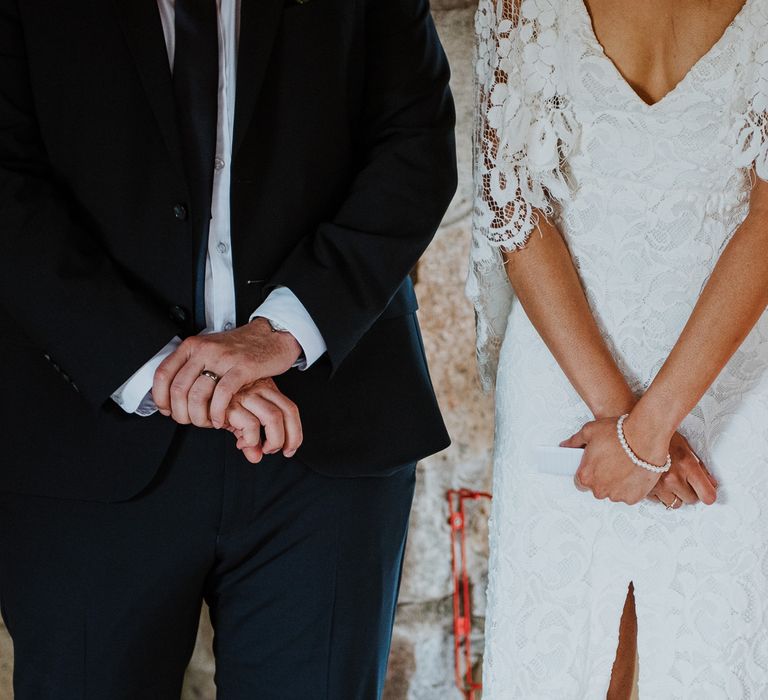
column 6, row 663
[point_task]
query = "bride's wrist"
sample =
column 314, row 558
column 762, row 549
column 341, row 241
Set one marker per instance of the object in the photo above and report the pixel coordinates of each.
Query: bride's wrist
column 610, row 406
column 648, row 432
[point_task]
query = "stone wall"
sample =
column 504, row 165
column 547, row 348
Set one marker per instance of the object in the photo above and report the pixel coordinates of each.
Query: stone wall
column 421, row 665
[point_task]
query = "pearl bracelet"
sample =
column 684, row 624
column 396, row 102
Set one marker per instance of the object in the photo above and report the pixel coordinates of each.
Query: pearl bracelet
column 635, row 459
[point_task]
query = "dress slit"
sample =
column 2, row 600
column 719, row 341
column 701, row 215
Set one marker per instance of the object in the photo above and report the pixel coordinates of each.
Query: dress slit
column 624, row 670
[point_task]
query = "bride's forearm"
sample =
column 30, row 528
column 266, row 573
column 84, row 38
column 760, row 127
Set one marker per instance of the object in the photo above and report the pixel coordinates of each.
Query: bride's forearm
column 730, row 304
column 548, row 286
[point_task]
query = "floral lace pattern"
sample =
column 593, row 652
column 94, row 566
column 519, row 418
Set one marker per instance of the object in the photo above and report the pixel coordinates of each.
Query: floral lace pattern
column 523, row 136
column 752, row 142
column 652, row 195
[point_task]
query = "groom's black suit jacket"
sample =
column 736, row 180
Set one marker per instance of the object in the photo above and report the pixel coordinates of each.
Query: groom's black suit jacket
column 343, row 166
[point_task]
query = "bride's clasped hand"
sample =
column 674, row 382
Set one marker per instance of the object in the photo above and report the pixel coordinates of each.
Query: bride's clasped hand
column 607, row 471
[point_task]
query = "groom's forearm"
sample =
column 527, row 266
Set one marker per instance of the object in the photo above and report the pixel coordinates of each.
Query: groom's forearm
column 548, row 286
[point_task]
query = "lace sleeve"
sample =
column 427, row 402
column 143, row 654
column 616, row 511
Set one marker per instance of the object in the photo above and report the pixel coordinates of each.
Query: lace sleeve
column 751, row 149
column 524, row 132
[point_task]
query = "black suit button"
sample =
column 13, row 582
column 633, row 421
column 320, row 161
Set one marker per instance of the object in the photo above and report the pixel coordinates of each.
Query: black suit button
column 179, row 314
column 180, row 212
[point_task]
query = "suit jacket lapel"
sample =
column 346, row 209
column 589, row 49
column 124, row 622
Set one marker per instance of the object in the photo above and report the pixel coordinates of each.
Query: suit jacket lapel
column 143, row 30
column 259, row 20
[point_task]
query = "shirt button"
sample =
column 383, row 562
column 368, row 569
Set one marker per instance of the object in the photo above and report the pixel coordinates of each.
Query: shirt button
column 178, row 314
column 180, row 212
column 222, row 247
column 218, row 163
column 228, row 326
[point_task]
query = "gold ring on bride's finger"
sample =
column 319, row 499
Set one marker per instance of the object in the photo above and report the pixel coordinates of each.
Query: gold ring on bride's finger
column 672, row 505
column 664, row 504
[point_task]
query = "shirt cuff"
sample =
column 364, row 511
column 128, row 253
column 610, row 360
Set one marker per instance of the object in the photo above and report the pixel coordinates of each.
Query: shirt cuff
column 283, row 307
column 135, row 396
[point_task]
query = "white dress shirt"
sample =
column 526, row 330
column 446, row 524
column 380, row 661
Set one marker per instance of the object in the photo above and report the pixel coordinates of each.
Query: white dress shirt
column 281, row 306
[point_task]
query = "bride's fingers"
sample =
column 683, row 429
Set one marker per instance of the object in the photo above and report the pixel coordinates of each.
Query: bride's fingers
column 700, row 482
column 701, row 464
column 667, row 499
column 580, row 479
column 675, row 483
column 664, row 493
column 686, row 494
column 576, row 440
column 582, row 437
column 709, row 476
column 695, row 475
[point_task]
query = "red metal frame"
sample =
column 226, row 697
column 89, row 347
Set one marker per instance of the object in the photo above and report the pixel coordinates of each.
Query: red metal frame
column 462, row 601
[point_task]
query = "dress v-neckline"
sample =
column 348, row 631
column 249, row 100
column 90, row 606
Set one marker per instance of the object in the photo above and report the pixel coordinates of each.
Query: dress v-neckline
column 592, row 36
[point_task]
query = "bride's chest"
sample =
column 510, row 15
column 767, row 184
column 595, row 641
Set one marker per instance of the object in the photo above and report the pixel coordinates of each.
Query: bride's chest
column 690, row 149
column 685, row 141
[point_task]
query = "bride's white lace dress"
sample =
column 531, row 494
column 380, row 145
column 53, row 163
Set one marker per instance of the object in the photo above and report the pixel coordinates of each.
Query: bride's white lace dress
column 646, row 198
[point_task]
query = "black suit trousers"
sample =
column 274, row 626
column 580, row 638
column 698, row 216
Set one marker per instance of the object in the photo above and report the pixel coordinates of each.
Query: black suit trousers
column 300, row 571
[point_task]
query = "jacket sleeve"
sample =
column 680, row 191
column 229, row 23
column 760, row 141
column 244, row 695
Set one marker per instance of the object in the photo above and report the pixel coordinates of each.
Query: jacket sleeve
column 57, row 281
column 346, row 272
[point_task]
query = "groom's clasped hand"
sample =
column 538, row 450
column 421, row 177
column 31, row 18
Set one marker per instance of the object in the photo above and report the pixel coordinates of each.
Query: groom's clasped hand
column 224, row 380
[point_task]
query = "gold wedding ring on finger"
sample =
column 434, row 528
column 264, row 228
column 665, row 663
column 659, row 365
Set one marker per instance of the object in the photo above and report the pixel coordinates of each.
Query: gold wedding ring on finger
column 211, row 375
column 672, row 505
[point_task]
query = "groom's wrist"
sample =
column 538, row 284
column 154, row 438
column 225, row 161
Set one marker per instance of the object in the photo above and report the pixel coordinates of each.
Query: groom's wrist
column 284, row 309
column 287, row 345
